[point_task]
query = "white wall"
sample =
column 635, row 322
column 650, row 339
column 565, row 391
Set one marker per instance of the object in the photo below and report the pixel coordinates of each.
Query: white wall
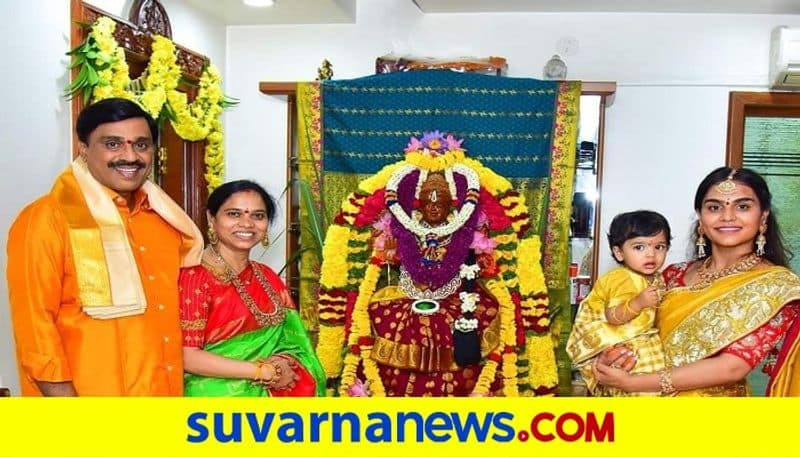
column 34, row 124
column 665, row 130
column 660, row 143
column 35, row 127
column 256, row 128
column 190, row 28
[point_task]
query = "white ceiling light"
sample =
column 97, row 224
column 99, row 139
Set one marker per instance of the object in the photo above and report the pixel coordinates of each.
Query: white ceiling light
column 259, row 3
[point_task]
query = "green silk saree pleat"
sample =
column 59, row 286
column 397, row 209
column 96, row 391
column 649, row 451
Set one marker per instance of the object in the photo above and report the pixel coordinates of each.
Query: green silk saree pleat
column 288, row 338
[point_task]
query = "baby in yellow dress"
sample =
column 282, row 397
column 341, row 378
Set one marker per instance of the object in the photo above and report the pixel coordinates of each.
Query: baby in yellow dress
column 621, row 308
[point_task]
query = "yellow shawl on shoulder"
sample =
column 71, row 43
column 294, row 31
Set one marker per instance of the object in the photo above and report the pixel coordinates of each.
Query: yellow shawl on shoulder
column 109, row 284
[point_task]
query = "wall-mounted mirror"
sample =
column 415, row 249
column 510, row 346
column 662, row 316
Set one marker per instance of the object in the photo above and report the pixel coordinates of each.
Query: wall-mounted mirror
column 586, row 193
column 585, row 214
column 586, row 237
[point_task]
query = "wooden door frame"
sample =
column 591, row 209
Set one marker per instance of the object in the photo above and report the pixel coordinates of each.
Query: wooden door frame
column 134, row 41
column 137, row 41
column 743, row 104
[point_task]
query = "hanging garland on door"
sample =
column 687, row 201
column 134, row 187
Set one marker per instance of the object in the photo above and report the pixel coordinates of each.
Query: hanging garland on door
column 104, row 74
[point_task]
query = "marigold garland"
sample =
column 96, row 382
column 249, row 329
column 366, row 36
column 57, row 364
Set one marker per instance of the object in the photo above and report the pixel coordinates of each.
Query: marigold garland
column 330, row 355
column 529, row 278
column 437, row 163
column 359, row 329
column 334, row 270
column 510, row 388
column 490, row 180
column 379, row 179
column 533, row 368
column 508, row 336
column 539, row 350
column 486, row 378
column 104, row 73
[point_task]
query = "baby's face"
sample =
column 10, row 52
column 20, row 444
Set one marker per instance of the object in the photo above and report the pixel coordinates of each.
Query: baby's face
column 643, row 254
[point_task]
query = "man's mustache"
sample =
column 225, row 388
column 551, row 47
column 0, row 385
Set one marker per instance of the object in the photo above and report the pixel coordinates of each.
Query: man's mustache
column 126, row 163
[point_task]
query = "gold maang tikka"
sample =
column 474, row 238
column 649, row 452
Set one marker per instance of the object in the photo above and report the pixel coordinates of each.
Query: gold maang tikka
column 727, row 187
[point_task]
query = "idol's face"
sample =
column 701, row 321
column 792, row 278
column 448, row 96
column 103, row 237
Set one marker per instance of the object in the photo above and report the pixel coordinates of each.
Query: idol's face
column 435, row 200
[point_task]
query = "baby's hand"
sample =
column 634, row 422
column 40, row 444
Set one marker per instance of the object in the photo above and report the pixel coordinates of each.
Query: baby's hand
column 649, row 298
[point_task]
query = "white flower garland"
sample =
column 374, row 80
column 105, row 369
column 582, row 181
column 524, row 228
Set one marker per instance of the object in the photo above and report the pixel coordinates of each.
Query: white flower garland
column 469, row 301
column 465, row 325
column 461, row 217
column 469, row 271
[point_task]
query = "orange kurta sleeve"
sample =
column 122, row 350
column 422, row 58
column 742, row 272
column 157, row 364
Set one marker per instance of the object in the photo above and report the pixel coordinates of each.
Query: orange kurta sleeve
column 36, row 252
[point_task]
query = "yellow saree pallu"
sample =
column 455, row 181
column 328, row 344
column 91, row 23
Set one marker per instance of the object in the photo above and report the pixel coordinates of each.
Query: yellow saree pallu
column 785, row 380
column 696, row 324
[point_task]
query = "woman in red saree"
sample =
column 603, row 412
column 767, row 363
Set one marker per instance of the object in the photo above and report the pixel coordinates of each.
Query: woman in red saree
column 241, row 335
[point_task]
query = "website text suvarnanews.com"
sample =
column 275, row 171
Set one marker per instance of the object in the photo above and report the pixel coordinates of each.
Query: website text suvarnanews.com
column 400, row 427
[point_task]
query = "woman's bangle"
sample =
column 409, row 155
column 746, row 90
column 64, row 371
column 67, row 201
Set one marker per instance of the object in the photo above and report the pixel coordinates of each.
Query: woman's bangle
column 665, row 382
column 259, row 378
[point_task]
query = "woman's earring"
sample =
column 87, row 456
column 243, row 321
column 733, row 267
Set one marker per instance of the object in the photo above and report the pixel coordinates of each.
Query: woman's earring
column 212, row 236
column 265, row 240
column 761, row 241
column 701, row 243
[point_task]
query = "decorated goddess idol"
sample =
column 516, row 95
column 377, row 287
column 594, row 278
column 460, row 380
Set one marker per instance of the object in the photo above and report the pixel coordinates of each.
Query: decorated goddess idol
column 432, row 285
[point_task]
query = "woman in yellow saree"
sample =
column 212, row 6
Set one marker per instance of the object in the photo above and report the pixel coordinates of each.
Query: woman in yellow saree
column 729, row 309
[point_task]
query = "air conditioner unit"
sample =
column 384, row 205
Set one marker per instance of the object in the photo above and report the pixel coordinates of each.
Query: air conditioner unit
column 784, row 59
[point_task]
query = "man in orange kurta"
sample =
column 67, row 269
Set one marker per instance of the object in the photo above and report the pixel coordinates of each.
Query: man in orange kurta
column 69, row 341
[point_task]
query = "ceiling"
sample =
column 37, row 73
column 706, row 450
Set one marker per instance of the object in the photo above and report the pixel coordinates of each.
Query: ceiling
column 613, row 6
column 234, row 12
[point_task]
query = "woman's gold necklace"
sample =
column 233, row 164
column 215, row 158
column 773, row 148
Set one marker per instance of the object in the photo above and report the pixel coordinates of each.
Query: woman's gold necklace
column 706, row 278
column 263, row 319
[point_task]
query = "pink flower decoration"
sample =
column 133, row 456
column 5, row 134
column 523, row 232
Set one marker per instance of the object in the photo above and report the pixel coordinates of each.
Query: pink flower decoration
column 380, row 241
column 384, row 223
column 453, row 143
column 359, row 389
column 487, row 394
column 434, row 143
column 482, row 219
column 482, row 244
column 413, row 145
